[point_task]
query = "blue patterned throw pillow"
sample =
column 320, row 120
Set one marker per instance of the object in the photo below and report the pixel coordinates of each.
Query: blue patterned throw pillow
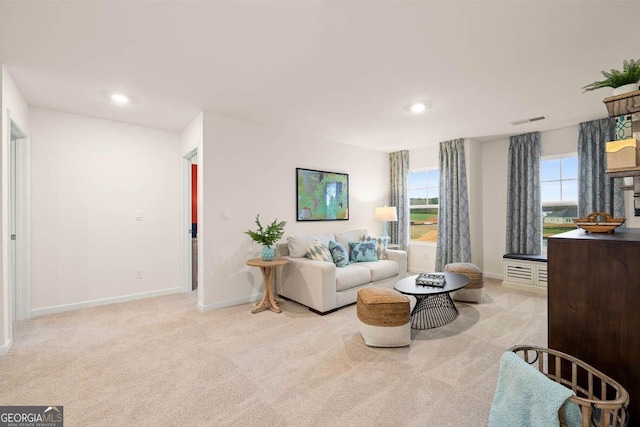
column 317, row 251
column 362, row 251
column 339, row 254
column 381, row 245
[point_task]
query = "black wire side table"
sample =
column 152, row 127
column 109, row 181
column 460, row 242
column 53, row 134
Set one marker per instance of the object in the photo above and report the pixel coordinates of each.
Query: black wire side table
column 434, row 306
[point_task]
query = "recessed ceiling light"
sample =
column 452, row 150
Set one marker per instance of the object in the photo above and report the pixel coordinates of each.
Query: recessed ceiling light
column 418, row 107
column 119, row 98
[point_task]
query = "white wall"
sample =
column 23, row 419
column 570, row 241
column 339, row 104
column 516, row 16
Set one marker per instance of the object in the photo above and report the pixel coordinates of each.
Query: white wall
column 494, row 189
column 11, row 102
column 249, row 169
column 89, row 178
column 494, row 204
column 191, row 136
column 558, row 141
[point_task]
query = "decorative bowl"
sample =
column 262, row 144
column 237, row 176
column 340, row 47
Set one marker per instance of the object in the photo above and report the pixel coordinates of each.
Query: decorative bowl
column 599, row 222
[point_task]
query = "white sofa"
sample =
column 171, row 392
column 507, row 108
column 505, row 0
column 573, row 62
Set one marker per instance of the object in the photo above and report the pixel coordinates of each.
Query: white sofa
column 322, row 286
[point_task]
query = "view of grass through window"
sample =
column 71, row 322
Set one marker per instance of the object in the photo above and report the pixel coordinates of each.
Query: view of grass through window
column 558, row 191
column 423, row 205
column 559, row 194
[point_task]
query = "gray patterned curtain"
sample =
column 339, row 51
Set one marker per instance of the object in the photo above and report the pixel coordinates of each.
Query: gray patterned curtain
column 524, row 211
column 453, row 244
column 596, row 191
column 399, row 176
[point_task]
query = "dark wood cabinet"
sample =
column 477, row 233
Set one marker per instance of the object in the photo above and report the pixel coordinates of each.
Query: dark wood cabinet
column 594, row 303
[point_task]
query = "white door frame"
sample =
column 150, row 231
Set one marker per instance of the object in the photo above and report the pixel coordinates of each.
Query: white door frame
column 20, row 218
column 185, row 220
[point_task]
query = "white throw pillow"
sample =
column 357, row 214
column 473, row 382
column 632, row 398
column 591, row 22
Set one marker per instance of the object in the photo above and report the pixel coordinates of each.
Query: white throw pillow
column 299, row 245
column 319, row 252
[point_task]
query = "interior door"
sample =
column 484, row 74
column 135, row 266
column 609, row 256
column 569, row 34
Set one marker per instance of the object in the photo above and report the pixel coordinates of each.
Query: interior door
column 18, row 225
column 13, row 212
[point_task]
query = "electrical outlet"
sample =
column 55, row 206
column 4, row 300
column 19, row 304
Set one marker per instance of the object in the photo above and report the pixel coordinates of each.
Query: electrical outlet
column 139, row 273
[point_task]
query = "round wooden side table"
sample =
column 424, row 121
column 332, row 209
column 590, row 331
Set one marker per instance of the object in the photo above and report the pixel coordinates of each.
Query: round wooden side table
column 268, row 269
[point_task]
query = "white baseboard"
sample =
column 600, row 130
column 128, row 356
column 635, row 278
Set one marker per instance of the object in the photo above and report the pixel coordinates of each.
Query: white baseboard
column 5, row 348
column 529, row 288
column 493, row 275
column 230, row 302
column 105, row 301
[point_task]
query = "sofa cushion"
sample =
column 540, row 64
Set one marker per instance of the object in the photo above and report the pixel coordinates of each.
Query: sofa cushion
column 382, row 269
column 351, row 276
column 381, row 245
column 362, row 251
column 299, row 245
column 319, row 252
column 339, row 254
column 350, row 236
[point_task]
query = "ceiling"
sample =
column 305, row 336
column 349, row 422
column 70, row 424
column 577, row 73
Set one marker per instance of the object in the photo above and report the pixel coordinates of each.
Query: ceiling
column 342, row 71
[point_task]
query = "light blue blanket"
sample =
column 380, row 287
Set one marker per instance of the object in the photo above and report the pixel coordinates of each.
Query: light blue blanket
column 526, row 397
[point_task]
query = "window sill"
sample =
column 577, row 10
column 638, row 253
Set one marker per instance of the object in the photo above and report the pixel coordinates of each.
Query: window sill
column 418, row 243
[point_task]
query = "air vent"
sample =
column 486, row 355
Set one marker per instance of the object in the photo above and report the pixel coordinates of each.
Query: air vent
column 533, row 119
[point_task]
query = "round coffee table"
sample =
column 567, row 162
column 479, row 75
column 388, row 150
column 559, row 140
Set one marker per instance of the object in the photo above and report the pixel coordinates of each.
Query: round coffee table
column 434, row 307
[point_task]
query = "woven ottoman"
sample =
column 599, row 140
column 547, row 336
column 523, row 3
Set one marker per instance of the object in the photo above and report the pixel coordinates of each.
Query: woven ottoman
column 473, row 291
column 384, row 317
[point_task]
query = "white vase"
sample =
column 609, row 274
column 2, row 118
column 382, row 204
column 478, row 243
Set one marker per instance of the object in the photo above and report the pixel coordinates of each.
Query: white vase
column 625, row 88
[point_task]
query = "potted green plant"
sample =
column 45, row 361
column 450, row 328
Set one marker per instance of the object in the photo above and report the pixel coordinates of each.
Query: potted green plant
column 621, row 81
column 267, row 237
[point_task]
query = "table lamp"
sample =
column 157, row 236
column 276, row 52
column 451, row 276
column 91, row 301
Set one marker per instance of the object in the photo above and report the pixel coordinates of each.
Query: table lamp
column 384, row 215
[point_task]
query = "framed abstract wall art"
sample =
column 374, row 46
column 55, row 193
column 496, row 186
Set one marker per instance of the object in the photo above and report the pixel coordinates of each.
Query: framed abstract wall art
column 321, row 195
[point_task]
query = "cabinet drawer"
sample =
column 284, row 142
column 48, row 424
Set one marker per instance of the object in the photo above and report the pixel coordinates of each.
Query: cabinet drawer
column 541, row 275
column 531, row 273
column 519, row 272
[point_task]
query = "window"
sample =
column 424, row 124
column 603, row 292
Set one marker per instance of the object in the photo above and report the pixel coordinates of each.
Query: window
column 559, row 194
column 423, row 205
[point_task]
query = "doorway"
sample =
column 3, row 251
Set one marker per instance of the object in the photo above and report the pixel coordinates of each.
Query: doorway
column 194, row 226
column 19, row 244
column 190, row 221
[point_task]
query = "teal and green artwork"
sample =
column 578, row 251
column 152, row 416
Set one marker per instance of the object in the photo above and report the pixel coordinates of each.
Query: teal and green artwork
column 322, row 196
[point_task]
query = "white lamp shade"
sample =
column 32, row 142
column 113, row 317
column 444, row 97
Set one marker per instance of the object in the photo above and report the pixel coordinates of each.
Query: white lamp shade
column 386, row 213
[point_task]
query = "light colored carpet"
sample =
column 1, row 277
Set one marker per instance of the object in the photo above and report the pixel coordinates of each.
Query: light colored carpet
column 160, row 362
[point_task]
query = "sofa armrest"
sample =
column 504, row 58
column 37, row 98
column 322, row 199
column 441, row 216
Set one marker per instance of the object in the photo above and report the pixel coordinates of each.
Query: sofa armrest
column 401, row 258
column 309, row 282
